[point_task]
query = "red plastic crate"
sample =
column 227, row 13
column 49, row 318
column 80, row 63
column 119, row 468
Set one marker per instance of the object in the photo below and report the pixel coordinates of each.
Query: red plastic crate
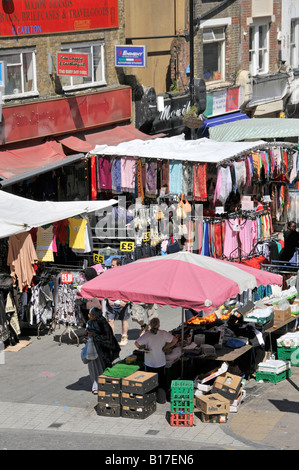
column 181, row 419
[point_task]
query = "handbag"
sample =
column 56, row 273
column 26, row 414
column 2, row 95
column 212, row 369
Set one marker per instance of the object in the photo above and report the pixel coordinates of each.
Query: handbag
column 91, row 353
column 180, row 212
column 186, row 205
column 173, row 246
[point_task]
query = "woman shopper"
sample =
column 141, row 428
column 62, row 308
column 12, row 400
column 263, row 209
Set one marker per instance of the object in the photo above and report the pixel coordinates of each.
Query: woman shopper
column 106, row 345
column 154, row 343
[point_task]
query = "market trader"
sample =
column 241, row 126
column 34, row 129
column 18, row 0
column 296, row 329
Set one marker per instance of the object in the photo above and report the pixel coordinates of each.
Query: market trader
column 291, row 242
column 154, row 343
column 117, row 310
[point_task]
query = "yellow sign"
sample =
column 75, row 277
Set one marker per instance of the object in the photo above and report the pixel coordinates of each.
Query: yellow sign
column 98, row 259
column 146, row 236
column 127, row 246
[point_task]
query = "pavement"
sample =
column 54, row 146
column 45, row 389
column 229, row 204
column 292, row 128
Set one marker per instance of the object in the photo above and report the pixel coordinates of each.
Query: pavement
column 46, row 387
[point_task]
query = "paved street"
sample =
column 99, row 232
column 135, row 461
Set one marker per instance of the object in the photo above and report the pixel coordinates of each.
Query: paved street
column 45, row 389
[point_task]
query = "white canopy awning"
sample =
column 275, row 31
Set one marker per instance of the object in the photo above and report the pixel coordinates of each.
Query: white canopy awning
column 18, row 214
column 177, row 148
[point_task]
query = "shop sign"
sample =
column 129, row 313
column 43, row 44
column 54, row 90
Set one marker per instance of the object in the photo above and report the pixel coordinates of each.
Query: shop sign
column 77, row 65
column 146, row 236
column 130, row 56
column 98, row 259
column 127, row 246
column 224, row 101
column 66, row 278
column 32, row 17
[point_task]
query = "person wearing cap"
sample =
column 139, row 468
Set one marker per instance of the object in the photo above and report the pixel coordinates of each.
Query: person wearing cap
column 155, row 343
column 105, row 343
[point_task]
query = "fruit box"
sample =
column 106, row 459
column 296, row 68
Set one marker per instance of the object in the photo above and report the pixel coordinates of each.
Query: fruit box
column 133, row 400
column 282, row 315
column 213, row 404
column 109, row 384
column 109, row 398
column 228, row 385
column 140, row 382
column 138, row 412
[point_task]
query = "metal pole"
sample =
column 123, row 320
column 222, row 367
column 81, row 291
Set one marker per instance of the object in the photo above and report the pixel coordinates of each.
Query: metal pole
column 191, row 59
column 182, row 342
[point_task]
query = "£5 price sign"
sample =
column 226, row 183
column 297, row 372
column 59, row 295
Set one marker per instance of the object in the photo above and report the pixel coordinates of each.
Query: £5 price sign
column 66, row 278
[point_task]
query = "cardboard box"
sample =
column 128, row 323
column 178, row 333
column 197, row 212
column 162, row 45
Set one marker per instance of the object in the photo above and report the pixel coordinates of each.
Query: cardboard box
column 282, row 315
column 228, row 385
column 140, row 382
column 109, row 384
column 109, row 398
column 138, row 412
column 213, row 404
column 235, row 405
column 204, row 378
column 221, row 418
column 133, row 400
column 106, row 410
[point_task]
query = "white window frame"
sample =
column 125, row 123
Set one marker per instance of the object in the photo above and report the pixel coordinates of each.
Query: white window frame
column 294, row 43
column 255, row 50
column 221, row 57
column 22, row 94
column 72, row 47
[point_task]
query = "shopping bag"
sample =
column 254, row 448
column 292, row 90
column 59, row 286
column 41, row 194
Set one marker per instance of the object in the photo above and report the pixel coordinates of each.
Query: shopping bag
column 173, row 246
column 180, row 212
column 91, row 353
column 83, row 354
column 186, row 205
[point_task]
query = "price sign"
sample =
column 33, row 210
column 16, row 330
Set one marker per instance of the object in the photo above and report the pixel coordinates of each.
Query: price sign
column 146, row 236
column 66, row 278
column 127, row 246
column 98, row 259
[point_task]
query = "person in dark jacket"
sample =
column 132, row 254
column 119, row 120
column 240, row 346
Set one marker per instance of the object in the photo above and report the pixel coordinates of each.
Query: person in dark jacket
column 291, row 242
column 106, row 345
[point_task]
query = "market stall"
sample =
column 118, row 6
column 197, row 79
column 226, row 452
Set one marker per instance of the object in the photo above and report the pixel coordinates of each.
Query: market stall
column 42, row 292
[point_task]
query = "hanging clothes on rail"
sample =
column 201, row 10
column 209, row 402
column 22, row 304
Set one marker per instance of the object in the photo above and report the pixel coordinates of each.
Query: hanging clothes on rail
column 21, row 258
column 128, row 172
column 200, row 182
column 175, row 177
column 105, row 172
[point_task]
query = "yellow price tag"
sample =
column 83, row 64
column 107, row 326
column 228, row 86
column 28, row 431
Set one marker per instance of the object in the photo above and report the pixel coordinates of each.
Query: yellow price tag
column 98, row 259
column 146, row 236
column 127, row 246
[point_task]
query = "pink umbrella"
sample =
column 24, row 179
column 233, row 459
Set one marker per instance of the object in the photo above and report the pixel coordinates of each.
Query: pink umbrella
column 181, row 279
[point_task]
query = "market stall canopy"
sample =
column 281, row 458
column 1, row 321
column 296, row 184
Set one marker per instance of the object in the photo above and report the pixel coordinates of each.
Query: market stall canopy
column 219, row 120
column 177, row 148
column 182, row 279
column 18, row 214
column 258, row 128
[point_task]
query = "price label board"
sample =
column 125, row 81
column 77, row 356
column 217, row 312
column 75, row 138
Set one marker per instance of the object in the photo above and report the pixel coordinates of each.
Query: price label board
column 146, row 236
column 66, row 278
column 98, row 259
column 127, row 246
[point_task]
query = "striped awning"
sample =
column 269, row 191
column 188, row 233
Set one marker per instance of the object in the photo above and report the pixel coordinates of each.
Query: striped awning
column 257, row 128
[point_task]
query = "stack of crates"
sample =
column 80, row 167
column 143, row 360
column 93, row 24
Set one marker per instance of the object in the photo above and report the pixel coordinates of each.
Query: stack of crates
column 181, row 403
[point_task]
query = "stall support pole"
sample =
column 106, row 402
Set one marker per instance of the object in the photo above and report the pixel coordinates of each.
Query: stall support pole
column 182, row 342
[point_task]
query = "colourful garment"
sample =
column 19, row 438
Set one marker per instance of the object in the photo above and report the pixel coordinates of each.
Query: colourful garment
column 21, row 258
column 200, row 182
column 44, row 244
column 175, row 177
column 77, row 233
column 116, row 174
column 105, row 172
column 128, row 171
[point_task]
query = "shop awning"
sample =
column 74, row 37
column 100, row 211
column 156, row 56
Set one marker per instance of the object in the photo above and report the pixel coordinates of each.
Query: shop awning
column 177, row 148
column 21, row 163
column 258, row 128
column 18, row 214
column 219, row 120
column 85, row 142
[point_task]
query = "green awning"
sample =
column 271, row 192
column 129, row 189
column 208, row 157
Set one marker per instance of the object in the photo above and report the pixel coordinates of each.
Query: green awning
column 257, row 128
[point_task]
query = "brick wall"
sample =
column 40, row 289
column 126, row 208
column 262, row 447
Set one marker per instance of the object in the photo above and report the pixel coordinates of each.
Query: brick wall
column 51, row 43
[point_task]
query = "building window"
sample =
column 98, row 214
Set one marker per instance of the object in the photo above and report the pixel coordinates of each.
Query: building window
column 258, row 49
column 96, row 50
column 21, row 73
column 294, row 44
column 213, row 54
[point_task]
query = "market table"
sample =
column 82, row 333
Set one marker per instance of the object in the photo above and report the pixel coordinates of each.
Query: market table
column 278, row 325
column 230, row 354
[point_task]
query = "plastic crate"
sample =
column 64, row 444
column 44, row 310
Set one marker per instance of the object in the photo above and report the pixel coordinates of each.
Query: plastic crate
column 184, row 405
column 181, row 389
column 271, row 377
column 289, row 354
column 181, row 419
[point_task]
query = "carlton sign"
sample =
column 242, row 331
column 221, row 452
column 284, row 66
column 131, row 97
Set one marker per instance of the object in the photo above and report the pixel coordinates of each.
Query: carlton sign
column 31, row 17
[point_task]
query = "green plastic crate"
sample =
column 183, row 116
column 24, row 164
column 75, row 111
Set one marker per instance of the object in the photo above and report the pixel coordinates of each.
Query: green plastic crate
column 289, row 354
column 271, row 377
column 182, row 389
column 183, row 405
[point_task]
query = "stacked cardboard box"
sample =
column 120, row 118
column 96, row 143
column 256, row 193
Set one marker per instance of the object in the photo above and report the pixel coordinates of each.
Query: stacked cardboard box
column 130, row 397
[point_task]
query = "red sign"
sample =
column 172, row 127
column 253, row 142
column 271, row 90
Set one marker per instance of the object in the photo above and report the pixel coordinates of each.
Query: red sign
column 73, row 64
column 65, row 115
column 31, row 17
column 66, row 278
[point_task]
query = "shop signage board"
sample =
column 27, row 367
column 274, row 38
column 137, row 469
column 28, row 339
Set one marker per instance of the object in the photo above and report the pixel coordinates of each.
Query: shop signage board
column 127, row 246
column 224, row 101
column 130, row 56
column 98, row 259
column 66, row 278
column 77, row 65
column 32, row 17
